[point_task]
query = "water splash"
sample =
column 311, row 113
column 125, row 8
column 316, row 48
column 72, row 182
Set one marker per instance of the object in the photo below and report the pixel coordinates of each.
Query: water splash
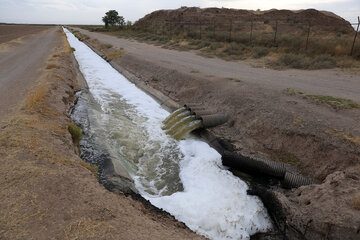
column 176, row 119
column 174, row 114
column 187, row 129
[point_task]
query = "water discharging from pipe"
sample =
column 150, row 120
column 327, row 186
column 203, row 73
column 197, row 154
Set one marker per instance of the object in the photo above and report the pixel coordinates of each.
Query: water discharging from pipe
column 186, row 177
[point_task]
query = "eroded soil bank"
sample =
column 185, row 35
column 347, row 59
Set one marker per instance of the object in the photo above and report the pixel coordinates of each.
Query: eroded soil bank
column 323, row 143
column 47, row 191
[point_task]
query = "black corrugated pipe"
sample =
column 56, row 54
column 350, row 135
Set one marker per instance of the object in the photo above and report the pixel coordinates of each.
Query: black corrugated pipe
column 292, row 180
column 269, row 168
column 213, row 120
column 244, row 164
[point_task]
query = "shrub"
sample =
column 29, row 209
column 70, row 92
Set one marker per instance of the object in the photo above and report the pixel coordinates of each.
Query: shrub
column 216, row 45
column 322, row 62
column 204, row 44
column 234, row 49
column 294, row 61
column 260, row 52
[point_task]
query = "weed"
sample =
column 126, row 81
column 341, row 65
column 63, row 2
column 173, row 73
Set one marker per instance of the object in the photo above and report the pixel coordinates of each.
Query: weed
column 285, row 157
column 234, row 79
column 194, row 71
column 105, row 46
column 334, row 102
column 259, row 52
column 75, row 132
column 293, row 61
column 216, row 45
column 294, row 91
column 116, row 54
column 322, row 62
column 234, row 49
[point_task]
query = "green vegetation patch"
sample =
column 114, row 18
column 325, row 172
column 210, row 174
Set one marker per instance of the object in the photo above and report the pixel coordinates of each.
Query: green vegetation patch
column 75, row 132
column 234, row 79
column 334, row 102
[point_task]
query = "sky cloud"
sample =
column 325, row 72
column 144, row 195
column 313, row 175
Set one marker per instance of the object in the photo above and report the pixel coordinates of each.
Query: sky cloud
column 91, row 11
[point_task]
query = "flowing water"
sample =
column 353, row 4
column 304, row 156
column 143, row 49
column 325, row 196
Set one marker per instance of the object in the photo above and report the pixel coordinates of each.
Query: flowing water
column 186, row 177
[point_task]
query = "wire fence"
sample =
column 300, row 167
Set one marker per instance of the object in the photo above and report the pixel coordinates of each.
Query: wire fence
column 288, row 34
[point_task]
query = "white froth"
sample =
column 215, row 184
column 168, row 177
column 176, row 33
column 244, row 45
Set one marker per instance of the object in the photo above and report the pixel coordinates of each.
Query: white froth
column 214, row 203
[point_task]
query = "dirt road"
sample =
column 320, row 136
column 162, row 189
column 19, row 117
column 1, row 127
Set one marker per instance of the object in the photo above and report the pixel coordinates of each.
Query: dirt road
column 325, row 82
column 20, row 65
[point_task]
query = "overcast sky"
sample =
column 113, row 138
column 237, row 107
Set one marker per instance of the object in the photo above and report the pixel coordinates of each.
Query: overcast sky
column 91, row 11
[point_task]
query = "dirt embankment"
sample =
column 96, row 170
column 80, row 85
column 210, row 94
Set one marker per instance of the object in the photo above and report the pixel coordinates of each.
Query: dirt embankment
column 322, row 21
column 266, row 121
column 46, row 190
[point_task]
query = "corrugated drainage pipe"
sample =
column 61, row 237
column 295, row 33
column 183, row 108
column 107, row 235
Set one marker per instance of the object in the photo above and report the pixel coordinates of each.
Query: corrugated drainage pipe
column 243, row 163
column 292, row 180
column 275, row 169
column 204, row 112
column 252, row 165
column 213, row 120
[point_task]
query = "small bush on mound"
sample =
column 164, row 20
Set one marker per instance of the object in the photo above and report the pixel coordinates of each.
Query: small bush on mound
column 260, row 52
column 323, row 62
column 76, row 133
column 234, row 49
column 293, row 61
column 302, row 62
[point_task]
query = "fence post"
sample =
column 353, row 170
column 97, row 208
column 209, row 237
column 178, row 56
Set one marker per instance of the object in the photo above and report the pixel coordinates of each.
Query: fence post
column 276, row 28
column 353, row 44
column 200, row 29
column 230, row 30
column 307, row 38
column 251, row 29
column 214, row 25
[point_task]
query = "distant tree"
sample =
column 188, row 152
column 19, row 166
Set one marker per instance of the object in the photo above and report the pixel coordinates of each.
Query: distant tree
column 112, row 18
column 128, row 24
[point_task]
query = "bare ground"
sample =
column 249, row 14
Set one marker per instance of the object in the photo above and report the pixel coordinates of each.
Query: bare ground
column 46, row 190
column 10, row 32
column 324, row 143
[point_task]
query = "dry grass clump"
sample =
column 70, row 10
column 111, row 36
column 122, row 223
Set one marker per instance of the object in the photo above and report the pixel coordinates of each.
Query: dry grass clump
column 86, row 228
column 116, row 54
column 51, row 66
column 344, row 136
column 92, row 168
column 36, row 98
column 105, row 46
column 334, row 102
column 356, row 202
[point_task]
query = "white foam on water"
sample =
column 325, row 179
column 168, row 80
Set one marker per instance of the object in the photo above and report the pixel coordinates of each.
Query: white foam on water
column 214, row 203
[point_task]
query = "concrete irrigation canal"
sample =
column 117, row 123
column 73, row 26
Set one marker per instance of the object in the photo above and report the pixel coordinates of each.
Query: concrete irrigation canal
column 181, row 174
